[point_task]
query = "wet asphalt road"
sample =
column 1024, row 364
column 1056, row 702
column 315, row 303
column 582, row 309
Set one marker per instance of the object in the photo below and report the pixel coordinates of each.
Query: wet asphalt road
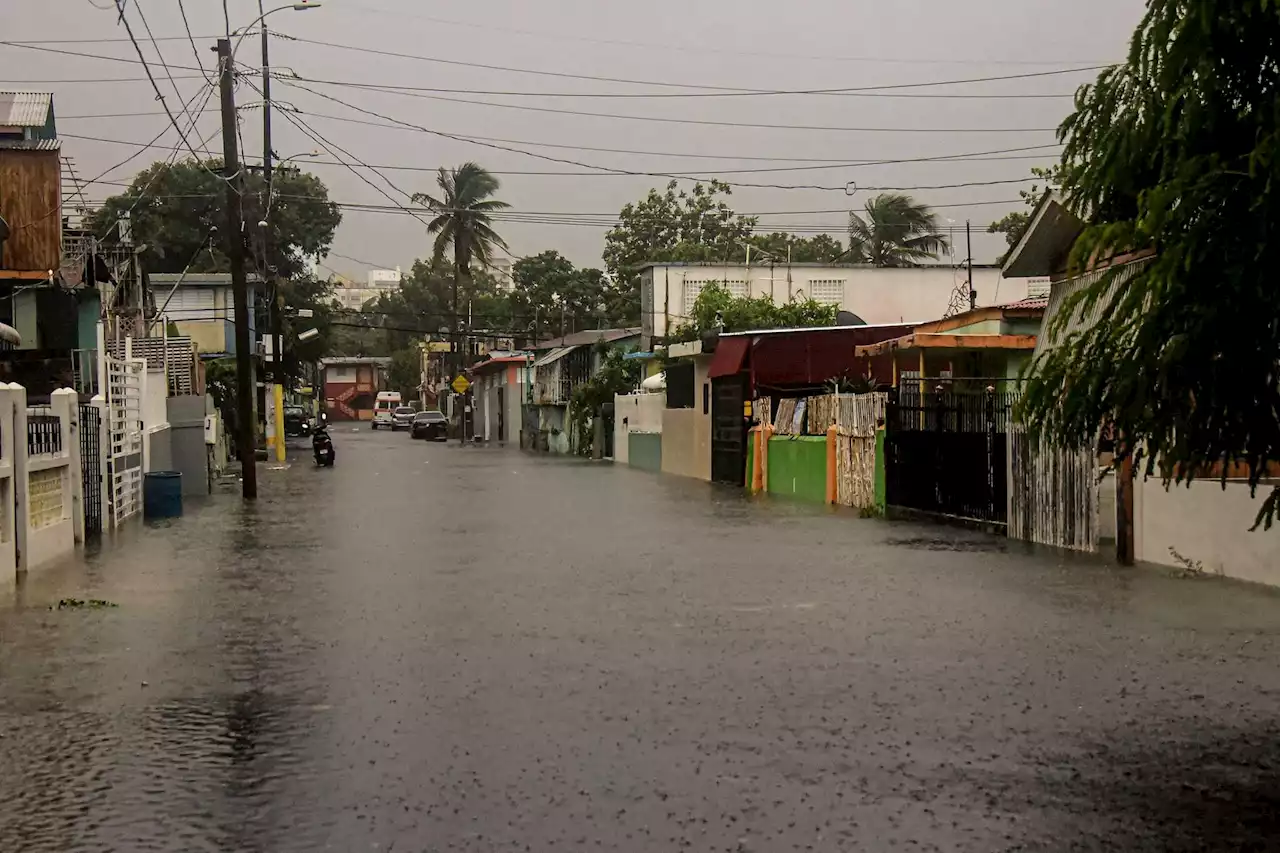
column 431, row 648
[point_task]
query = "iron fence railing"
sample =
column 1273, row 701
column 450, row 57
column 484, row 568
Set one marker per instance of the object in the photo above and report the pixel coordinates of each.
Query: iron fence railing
column 44, row 432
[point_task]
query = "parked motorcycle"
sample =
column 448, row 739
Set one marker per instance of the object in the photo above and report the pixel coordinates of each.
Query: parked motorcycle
column 322, row 444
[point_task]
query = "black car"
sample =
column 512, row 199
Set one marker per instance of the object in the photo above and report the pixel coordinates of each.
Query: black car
column 296, row 423
column 429, row 425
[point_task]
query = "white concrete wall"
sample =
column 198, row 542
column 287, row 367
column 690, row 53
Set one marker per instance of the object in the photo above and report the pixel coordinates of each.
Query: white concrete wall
column 1207, row 524
column 635, row 413
column 877, row 295
column 49, row 486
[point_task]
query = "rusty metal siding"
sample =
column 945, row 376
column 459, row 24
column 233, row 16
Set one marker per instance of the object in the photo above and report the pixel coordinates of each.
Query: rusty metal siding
column 30, row 201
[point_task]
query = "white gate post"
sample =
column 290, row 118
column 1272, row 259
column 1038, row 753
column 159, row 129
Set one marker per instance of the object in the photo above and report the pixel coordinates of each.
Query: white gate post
column 99, row 402
column 65, row 403
column 21, row 496
column 8, row 489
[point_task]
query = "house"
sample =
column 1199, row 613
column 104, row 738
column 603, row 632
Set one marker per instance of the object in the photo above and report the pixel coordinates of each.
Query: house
column 560, row 366
column 351, row 385
column 874, row 295
column 1206, row 523
column 202, row 307
column 498, row 384
column 48, row 297
column 987, row 345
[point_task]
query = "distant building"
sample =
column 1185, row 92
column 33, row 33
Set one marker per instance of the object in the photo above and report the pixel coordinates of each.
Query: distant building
column 501, row 269
column 201, row 306
column 354, row 296
column 351, row 386
column 875, row 295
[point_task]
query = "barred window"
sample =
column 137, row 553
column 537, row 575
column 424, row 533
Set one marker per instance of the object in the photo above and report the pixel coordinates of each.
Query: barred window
column 827, row 291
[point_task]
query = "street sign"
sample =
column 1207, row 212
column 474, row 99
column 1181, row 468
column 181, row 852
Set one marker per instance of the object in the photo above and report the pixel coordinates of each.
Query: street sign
column 460, row 384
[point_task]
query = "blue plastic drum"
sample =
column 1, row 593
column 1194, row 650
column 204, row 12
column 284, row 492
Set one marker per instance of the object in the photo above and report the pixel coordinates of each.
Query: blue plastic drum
column 162, row 494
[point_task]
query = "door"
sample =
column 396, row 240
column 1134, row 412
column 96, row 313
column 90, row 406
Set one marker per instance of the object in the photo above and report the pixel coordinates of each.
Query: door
column 502, row 413
column 729, row 430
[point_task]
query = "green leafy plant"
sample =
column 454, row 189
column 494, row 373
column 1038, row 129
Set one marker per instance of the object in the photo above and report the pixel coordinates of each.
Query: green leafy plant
column 717, row 308
column 1175, row 152
column 617, row 375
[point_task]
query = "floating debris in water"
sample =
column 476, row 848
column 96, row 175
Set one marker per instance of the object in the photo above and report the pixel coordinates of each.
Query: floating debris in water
column 82, row 603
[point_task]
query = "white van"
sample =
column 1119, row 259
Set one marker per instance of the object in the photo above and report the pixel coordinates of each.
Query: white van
column 384, row 409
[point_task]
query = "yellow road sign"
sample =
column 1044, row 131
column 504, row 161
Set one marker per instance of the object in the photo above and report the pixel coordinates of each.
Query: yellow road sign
column 460, row 384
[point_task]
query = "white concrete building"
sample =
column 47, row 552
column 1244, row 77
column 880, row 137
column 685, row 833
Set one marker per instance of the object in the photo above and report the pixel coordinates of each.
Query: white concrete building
column 352, row 296
column 501, row 269
column 874, row 294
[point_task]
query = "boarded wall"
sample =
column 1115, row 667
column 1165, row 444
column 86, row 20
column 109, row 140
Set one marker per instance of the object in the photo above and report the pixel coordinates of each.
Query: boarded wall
column 30, row 201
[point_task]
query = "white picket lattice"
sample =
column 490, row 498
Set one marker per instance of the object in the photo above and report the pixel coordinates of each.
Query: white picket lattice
column 124, row 459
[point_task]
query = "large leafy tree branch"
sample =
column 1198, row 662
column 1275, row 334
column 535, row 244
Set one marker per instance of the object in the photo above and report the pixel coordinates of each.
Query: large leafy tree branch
column 1175, row 152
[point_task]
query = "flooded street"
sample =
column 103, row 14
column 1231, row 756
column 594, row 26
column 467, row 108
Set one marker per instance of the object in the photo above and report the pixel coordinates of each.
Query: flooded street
column 432, row 648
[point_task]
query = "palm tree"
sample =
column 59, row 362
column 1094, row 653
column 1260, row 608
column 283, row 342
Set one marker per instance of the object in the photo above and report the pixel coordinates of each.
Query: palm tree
column 896, row 232
column 462, row 221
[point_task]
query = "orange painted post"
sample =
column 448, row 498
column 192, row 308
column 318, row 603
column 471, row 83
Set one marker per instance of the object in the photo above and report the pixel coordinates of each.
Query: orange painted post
column 832, row 489
column 757, row 484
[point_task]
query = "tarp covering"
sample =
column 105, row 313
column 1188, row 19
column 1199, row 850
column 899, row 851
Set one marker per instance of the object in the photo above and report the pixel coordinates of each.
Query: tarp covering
column 729, row 356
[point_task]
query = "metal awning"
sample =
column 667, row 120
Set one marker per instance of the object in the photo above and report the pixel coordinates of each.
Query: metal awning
column 553, row 356
column 729, row 357
column 936, row 340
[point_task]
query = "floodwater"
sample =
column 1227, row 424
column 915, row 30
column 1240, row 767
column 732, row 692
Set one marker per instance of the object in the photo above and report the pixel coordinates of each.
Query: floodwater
column 435, row 648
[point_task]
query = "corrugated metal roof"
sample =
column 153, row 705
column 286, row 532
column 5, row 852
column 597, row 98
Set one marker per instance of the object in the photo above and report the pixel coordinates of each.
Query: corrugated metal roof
column 1029, row 302
column 590, row 336
column 553, row 356
column 25, row 109
column 30, row 144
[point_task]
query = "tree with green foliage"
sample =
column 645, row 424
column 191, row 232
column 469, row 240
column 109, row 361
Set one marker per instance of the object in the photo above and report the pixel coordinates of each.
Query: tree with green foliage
column 178, row 213
column 718, row 309
column 1176, row 151
column 675, row 225
column 553, row 297
column 1014, row 225
column 617, row 375
column 781, row 248
column 463, row 223
column 894, row 231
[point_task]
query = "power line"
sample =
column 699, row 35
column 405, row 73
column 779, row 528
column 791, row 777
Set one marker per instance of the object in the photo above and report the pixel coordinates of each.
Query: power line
column 293, row 81
column 687, row 48
column 195, row 51
column 632, row 82
column 392, row 88
column 673, row 176
column 976, row 156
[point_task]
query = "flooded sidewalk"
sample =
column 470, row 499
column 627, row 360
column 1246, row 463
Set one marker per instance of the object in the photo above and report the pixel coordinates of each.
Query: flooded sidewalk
column 430, row 647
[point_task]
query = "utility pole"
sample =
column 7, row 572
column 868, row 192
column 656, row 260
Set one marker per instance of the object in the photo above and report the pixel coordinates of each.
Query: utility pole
column 273, row 285
column 968, row 236
column 245, row 431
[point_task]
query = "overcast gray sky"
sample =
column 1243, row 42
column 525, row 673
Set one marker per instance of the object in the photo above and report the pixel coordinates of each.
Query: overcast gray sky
column 816, row 44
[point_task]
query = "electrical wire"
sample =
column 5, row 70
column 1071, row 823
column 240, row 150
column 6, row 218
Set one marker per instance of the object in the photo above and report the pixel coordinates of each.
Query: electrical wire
column 946, row 158
column 670, row 175
column 749, row 93
column 294, row 81
column 137, row 6
column 632, row 82
column 706, row 48
column 195, row 51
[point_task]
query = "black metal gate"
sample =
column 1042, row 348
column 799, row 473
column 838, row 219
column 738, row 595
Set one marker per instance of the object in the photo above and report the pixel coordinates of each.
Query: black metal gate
column 946, row 453
column 91, row 467
column 728, row 430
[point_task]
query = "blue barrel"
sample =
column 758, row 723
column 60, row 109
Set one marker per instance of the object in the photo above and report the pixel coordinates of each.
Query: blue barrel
column 162, row 494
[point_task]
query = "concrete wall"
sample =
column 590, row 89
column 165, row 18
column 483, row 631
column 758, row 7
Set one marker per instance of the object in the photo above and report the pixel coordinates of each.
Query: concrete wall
column 686, row 443
column 635, row 413
column 159, row 449
column 1207, row 524
column 645, row 450
column 877, row 295
column 189, row 452
column 798, row 467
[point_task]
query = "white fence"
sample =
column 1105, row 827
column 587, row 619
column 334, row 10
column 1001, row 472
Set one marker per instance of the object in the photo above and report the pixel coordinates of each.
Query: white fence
column 125, row 380
column 41, row 481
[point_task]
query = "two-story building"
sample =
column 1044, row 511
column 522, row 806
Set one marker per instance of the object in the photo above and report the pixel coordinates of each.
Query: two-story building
column 351, row 385
column 202, row 307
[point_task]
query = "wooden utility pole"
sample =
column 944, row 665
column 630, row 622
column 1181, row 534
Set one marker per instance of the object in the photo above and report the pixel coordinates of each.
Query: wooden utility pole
column 968, row 237
column 272, row 284
column 246, row 441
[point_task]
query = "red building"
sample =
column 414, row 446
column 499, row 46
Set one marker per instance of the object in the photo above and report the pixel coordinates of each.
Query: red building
column 351, row 386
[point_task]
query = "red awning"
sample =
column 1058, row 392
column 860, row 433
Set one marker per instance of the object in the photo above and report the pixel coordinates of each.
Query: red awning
column 729, row 355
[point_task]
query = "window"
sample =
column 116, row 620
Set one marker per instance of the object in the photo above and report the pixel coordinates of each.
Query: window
column 190, row 303
column 737, row 288
column 827, row 291
column 342, row 373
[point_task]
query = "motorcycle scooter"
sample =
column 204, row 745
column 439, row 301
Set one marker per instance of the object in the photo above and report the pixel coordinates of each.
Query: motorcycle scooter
column 322, row 444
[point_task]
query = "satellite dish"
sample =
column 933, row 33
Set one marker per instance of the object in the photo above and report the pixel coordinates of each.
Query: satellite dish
column 848, row 318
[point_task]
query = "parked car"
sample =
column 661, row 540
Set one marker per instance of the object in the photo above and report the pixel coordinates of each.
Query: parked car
column 430, row 425
column 402, row 417
column 296, row 423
